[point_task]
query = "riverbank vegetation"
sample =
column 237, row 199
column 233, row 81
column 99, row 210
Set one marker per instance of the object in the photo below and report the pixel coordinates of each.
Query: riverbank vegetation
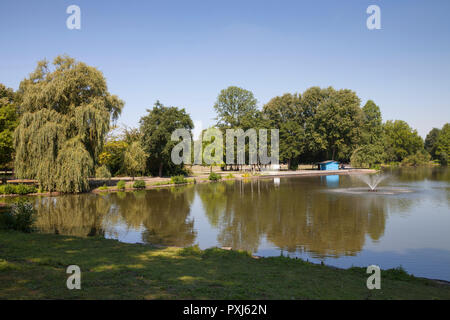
column 67, row 107
column 114, row 270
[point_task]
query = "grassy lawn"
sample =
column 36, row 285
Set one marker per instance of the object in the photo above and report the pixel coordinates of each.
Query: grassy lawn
column 33, row 266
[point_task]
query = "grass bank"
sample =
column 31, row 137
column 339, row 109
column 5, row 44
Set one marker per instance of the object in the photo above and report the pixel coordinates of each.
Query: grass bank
column 33, row 266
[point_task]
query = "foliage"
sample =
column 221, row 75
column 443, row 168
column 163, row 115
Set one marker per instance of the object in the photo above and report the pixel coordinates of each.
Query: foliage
column 431, row 142
column 8, row 123
column 135, row 159
column 338, row 121
column 233, row 105
column 130, row 135
column 400, row 140
column 121, row 185
column 372, row 132
column 367, row 156
column 157, row 128
column 443, row 145
column 66, row 110
column 102, row 172
column 214, row 176
column 285, row 114
column 178, row 179
column 21, row 217
column 113, row 155
column 419, row 158
column 139, row 184
column 20, row 189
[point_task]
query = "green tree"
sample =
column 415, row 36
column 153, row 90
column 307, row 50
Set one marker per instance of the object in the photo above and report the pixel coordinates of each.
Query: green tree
column 338, row 122
column 443, row 145
column 400, row 140
column 8, row 123
column 157, row 128
column 135, row 159
column 372, row 132
column 431, row 142
column 285, row 114
column 315, row 142
column 234, row 106
column 367, row 156
column 112, row 155
column 66, row 115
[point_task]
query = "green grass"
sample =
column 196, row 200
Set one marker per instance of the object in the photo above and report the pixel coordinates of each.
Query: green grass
column 33, row 266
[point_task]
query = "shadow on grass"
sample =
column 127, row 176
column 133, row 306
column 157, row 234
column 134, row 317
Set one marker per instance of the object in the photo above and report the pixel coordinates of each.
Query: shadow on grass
column 33, row 266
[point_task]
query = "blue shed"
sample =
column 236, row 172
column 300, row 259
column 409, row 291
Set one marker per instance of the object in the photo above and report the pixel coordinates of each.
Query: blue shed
column 328, row 165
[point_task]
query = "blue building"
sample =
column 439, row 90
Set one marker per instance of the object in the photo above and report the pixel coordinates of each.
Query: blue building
column 328, row 165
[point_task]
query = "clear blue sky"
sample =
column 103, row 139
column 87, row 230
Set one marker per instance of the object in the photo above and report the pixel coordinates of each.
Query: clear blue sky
column 184, row 52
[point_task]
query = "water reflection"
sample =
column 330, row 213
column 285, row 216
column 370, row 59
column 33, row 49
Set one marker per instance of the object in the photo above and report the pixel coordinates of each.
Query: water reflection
column 162, row 215
column 297, row 215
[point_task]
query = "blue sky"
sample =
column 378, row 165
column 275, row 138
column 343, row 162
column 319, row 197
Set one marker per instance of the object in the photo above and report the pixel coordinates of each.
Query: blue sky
column 184, row 52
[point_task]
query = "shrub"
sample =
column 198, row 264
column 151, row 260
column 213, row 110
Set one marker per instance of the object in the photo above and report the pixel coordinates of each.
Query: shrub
column 246, row 175
column 417, row 159
column 21, row 217
column 25, row 189
column 102, row 173
column 214, row 176
column 229, row 176
column 17, row 189
column 178, row 179
column 139, row 184
column 104, row 187
column 121, row 185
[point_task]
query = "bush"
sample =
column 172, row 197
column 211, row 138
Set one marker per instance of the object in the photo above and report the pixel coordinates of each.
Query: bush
column 178, row 179
column 121, row 185
column 229, row 176
column 7, row 189
column 214, row 176
column 102, row 173
column 417, row 159
column 21, row 217
column 139, row 184
column 104, row 187
column 25, row 189
column 21, row 189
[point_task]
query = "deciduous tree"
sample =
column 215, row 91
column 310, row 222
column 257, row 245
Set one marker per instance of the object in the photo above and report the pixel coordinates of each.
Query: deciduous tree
column 8, row 123
column 66, row 111
column 157, row 128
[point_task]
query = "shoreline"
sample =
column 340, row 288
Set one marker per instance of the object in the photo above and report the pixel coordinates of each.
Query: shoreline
column 202, row 178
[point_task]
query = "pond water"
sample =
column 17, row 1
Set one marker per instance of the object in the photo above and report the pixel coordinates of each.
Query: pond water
column 296, row 216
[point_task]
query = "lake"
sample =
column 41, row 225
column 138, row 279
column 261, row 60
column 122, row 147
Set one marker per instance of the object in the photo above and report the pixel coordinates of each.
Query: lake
column 296, row 216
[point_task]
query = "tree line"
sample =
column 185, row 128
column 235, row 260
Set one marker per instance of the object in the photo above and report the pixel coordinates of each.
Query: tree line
column 57, row 128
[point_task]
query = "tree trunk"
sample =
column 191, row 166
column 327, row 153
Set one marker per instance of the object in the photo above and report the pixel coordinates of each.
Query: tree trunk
column 160, row 169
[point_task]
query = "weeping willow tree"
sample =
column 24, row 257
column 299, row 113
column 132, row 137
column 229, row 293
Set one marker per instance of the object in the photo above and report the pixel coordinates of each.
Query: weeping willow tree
column 66, row 112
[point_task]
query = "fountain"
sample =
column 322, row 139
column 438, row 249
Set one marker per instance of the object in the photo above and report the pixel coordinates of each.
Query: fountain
column 373, row 181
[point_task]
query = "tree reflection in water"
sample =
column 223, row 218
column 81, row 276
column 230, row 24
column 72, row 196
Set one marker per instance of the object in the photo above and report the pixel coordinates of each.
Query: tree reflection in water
column 298, row 215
